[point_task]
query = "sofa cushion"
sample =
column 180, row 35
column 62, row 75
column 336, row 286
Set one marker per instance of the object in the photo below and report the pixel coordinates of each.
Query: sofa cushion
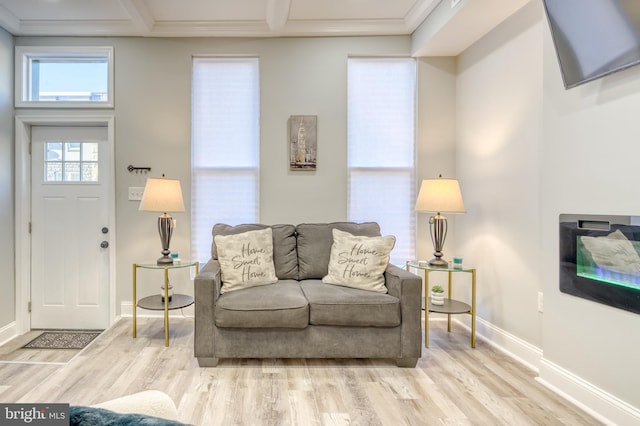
column 359, row 262
column 315, row 240
column 285, row 254
column 275, row 305
column 246, row 260
column 344, row 306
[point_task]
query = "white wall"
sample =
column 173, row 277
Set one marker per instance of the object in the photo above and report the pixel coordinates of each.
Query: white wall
column 436, row 137
column 499, row 99
column 528, row 150
column 7, row 311
column 591, row 147
column 152, row 96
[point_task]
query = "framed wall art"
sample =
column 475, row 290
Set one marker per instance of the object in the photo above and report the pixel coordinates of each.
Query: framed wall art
column 303, row 142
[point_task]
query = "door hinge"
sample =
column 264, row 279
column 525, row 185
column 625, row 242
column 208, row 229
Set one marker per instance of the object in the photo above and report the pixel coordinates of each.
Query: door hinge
column 29, row 307
column 29, row 227
column 30, row 144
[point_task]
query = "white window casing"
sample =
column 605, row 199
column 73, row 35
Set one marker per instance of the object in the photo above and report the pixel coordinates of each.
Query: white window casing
column 64, row 77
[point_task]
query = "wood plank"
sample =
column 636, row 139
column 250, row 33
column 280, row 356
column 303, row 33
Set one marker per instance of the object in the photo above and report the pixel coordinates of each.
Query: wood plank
column 452, row 383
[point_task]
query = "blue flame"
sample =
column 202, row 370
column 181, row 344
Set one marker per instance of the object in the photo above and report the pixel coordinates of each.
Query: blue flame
column 597, row 273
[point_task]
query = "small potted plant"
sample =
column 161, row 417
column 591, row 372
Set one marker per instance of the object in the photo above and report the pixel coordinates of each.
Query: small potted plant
column 437, row 295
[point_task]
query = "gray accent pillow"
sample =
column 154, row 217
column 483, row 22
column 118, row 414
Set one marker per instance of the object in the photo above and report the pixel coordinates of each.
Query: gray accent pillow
column 285, row 254
column 315, row 241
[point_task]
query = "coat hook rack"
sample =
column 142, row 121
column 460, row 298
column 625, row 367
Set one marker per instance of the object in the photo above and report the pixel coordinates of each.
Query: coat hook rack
column 138, row 169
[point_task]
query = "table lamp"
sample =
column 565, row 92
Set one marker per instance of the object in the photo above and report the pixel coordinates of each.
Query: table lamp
column 163, row 196
column 438, row 196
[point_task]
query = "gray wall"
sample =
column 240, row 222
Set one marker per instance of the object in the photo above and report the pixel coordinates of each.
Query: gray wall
column 7, row 252
column 152, row 97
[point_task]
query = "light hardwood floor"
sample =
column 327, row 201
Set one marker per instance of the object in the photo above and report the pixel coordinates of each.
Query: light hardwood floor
column 14, row 352
column 452, row 384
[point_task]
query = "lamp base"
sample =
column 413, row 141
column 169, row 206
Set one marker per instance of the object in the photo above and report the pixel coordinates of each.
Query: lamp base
column 438, row 263
column 438, row 231
column 165, row 260
column 165, row 229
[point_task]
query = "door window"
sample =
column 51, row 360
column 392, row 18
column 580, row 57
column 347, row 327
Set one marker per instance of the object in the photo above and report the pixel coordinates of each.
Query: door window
column 75, row 162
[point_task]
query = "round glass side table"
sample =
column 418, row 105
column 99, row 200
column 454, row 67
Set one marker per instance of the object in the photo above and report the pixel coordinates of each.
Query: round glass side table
column 158, row 302
column 451, row 306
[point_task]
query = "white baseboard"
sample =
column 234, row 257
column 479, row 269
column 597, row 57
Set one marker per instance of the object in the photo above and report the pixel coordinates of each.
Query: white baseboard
column 126, row 310
column 8, row 332
column 600, row 404
column 522, row 351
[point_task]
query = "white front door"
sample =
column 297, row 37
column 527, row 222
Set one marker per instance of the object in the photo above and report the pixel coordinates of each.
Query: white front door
column 71, row 172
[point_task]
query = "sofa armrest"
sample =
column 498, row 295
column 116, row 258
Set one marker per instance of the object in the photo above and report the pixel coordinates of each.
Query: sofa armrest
column 407, row 287
column 207, row 291
column 210, row 274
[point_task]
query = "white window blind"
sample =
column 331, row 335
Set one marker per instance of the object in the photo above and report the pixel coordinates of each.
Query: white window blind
column 381, row 152
column 225, row 134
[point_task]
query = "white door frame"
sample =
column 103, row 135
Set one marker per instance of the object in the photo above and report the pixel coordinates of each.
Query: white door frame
column 23, row 124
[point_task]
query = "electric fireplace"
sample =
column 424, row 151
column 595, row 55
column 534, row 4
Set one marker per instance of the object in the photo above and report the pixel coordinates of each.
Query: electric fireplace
column 600, row 259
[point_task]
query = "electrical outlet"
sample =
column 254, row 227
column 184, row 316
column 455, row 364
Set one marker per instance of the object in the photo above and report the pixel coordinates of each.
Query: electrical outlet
column 135, row 193
column 454, row 3
column 540, row 302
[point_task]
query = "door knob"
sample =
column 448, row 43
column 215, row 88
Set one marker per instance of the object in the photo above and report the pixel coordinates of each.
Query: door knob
column 104, row 244
column 105, row 230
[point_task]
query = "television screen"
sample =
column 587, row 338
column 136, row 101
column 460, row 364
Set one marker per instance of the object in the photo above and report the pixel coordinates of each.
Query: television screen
column 594, row 38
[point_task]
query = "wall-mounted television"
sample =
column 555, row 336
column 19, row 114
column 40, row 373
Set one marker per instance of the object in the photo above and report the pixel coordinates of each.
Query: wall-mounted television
column 594, row 38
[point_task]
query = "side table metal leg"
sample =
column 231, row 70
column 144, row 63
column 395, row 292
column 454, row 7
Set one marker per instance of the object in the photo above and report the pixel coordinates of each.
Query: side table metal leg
column 450, row 294
column 166, row 306
column 426, row 308
column 135, row 301
column 473, row 308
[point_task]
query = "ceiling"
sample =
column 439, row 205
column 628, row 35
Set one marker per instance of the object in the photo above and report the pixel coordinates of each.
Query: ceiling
column 437, row 27
column 217, row 18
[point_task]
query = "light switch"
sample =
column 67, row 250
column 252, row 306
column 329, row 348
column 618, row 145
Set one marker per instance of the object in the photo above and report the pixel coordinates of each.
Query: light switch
column 135, row 193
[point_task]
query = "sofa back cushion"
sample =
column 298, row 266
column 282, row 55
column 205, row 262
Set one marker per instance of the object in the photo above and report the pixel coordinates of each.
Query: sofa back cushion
column 285, row 255
column 315, row 241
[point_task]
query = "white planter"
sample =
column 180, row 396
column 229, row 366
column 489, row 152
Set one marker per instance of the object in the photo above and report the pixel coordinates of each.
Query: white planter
column 437, row 298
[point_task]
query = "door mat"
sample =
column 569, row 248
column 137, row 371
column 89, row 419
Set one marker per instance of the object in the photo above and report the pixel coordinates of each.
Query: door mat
column 62, row 340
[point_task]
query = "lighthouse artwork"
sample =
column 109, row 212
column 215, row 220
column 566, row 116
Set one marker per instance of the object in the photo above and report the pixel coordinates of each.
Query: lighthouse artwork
column 303, row 142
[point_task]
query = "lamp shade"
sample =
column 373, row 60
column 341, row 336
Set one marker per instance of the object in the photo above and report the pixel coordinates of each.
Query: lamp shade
column 162, row 195
column 440, row 195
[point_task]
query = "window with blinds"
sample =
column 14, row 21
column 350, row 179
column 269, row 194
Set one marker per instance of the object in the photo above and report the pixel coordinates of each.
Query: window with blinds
column 225, row 135
column 381, row 148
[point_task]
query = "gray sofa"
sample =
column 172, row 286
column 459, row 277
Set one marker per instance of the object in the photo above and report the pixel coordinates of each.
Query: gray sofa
column 301, row 317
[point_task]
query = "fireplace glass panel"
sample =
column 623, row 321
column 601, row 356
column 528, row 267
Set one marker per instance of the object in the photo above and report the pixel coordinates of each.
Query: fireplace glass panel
column 609, row 260
column 600, row 259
